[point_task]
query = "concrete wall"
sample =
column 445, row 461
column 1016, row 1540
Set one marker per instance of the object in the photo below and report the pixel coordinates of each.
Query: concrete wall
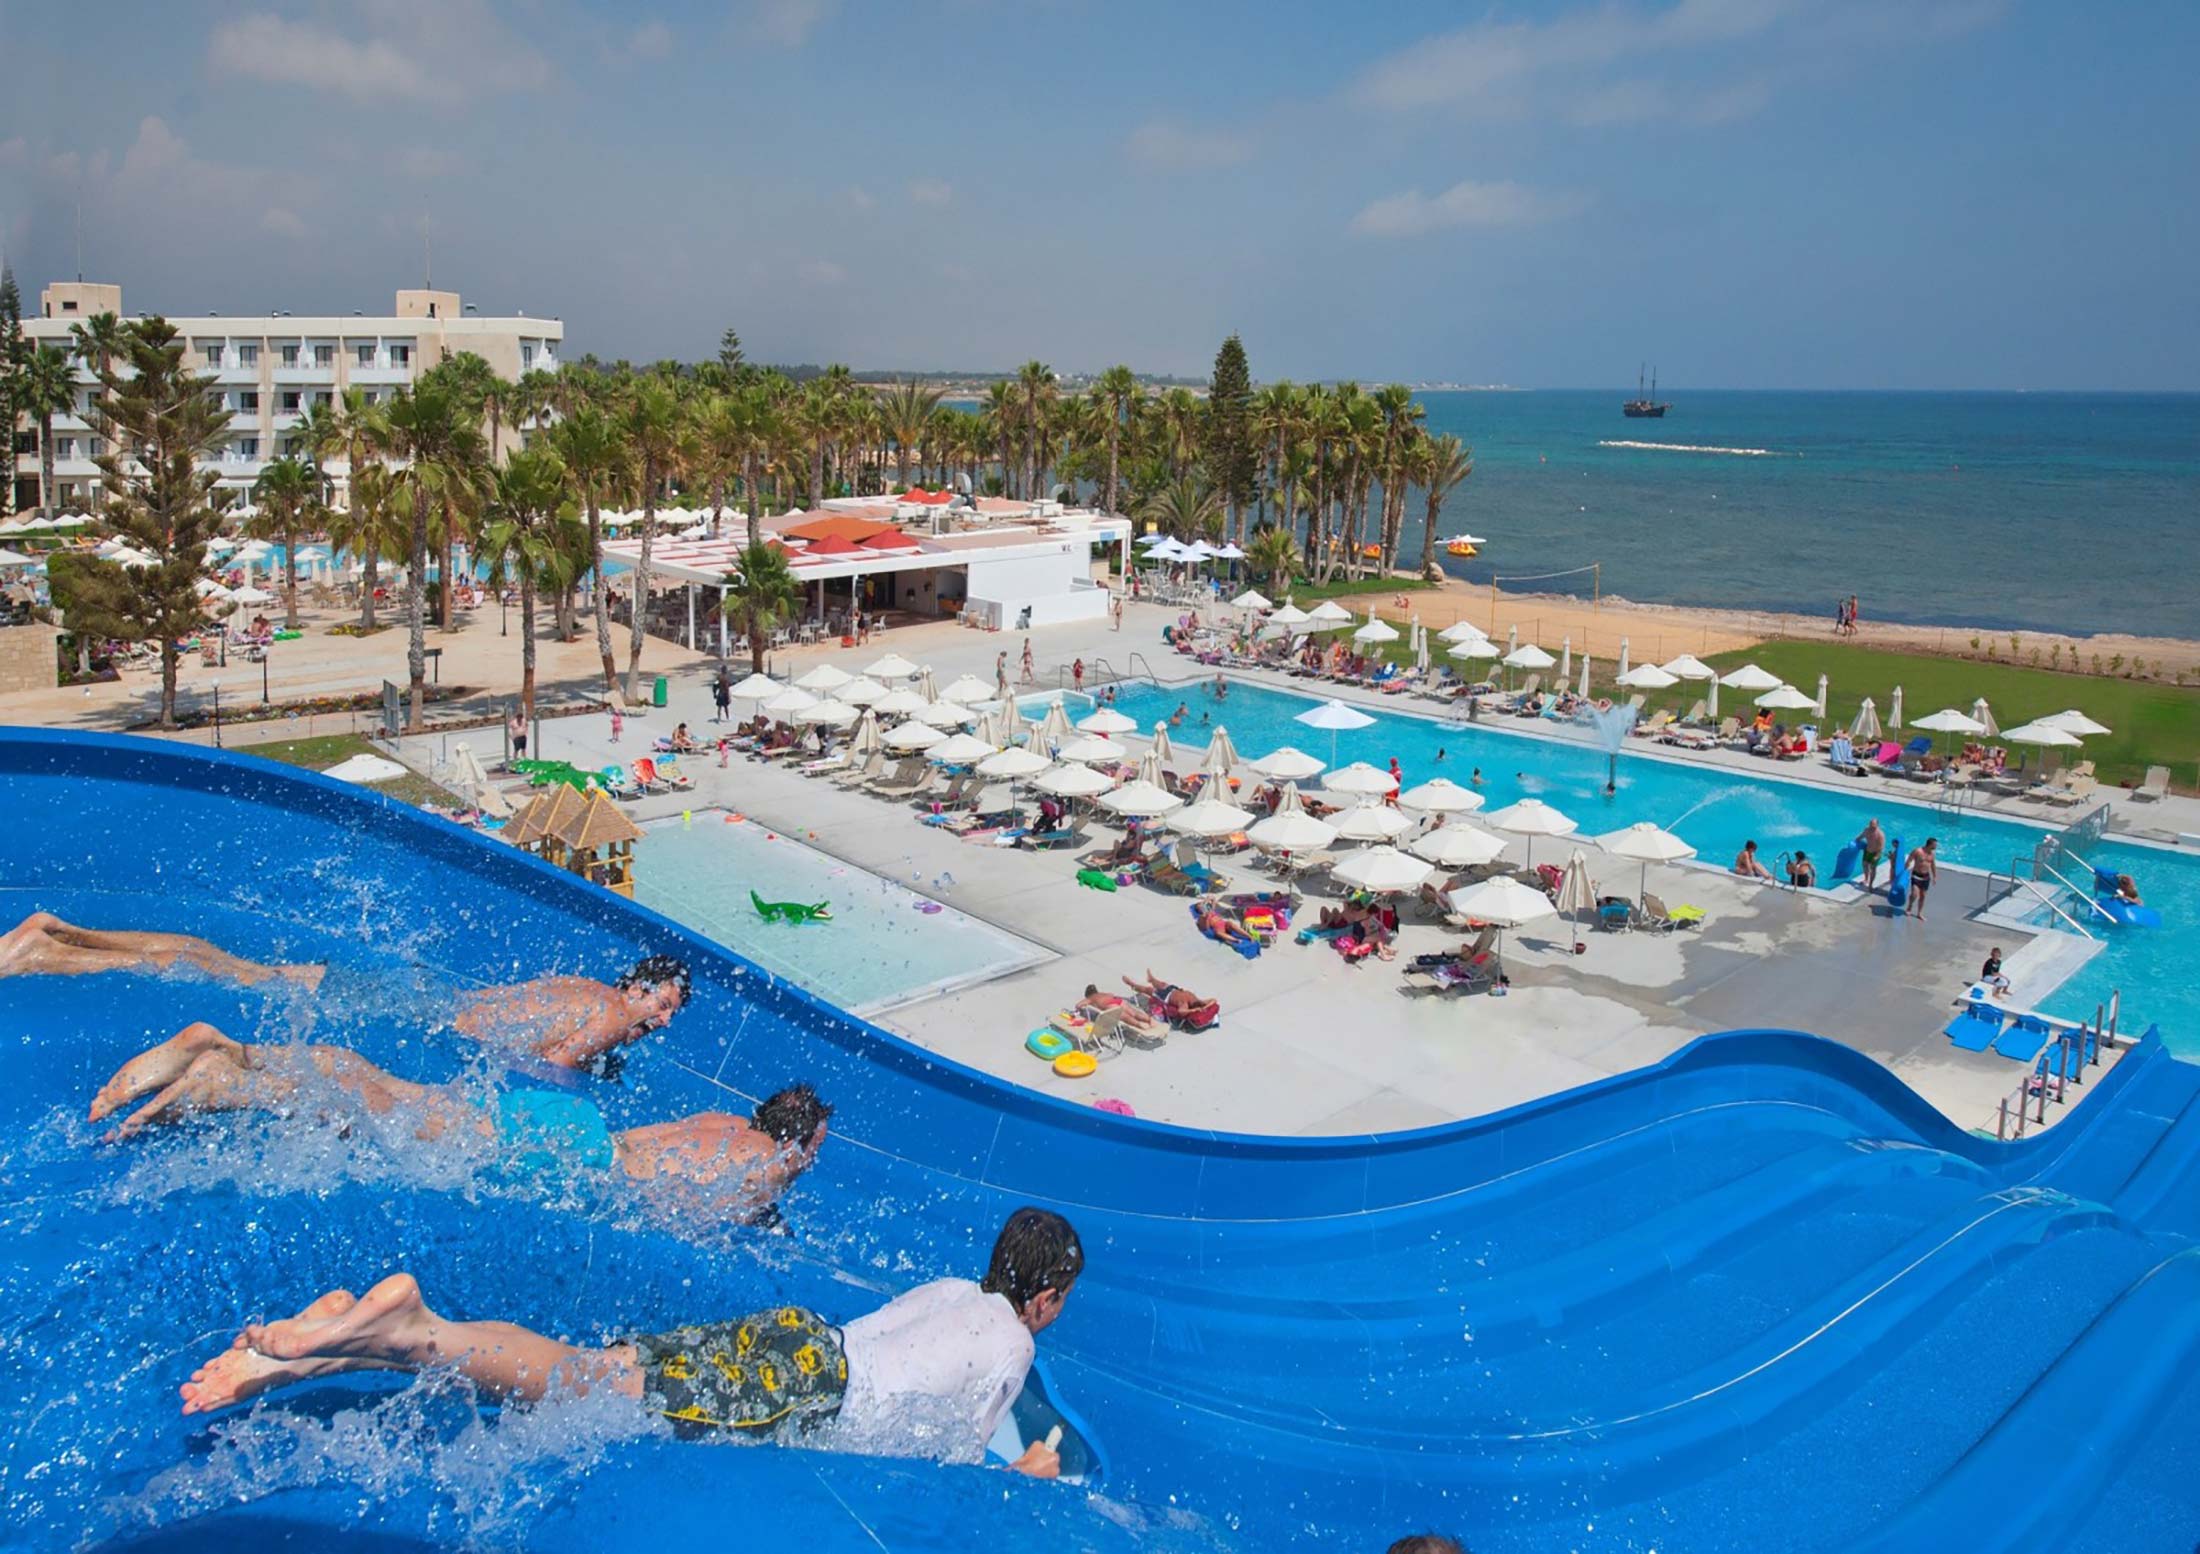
column 1052, row 586
column 27, row 661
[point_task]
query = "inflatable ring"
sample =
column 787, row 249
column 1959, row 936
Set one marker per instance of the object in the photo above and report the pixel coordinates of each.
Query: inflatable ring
column 1048, row 1043
column 1075, row 1065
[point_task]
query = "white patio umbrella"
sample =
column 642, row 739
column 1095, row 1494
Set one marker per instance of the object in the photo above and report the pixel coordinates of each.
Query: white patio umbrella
column 1474, row 647
column 863, row 691
column 2073, row 721
column 893, row 667
column 926, row 685
column 1227, row 551
column 1577, row 892
column 1089, row 747
column 1440, row 796
column 1820, row 705
column 1584, row 691
column 1457, row 847
column 1140, row 799
column 1106, row 720
column 1222, row 754
column 2048, row 736
column 1751, row 678
column 1894, row 711
column 1360, row 780
column 1646, row 843
column 967, row 689
column 1376, row 630
column 825, row 678
column 1689, row 667
column 1532, row 818
column 205, row 587
column 1866, row 723
column 1163, row 746
column 756, row 687
column 1074, row 782
column 1566, row 658
column 247, row 596
column 1291, row 830
column 1328, row 616
column 1949, row 721
column 911, row 736
column 830, row 713
column 1647, row 677
column 1371, row 823
column 1287, row 764
column 958, row 749
column 1250, row 600
column 946, row 714
column 1462, row 631
column 1384, row 870
column 1287, row 617
column 864, row 743
column 1621, row 672
column 1014, row 764
column 1210, row 816
column 1503, row 901
column 1985, row 716
column 1529, row 657
column 900, row 703
column 1787, row 698
column 1055, row 724
column 1334, row 715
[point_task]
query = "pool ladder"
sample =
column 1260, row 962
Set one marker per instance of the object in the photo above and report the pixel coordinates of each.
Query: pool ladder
column 2020, row 867
column 2061, row 1063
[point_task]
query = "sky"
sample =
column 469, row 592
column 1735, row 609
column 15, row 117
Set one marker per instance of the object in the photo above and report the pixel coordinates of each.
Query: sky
column 1865, row 194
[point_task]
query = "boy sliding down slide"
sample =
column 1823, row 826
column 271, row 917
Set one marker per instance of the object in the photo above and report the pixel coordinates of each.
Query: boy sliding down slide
column 952, row 1349
column 750, row 1161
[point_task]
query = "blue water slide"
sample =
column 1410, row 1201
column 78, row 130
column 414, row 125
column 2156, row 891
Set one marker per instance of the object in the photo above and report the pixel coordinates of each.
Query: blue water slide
column 1759, row 1295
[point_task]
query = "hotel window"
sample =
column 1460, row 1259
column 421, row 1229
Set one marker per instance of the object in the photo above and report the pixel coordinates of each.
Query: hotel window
column 292, row 400
column 527, row 353
column 401, row 356
column 248, row 447
column 212, row 350
column 324, row 356
column 248, row 355
column 324, row 399
column 248, row 401
column 290, row 356
column 366, row 354
column 64, row 447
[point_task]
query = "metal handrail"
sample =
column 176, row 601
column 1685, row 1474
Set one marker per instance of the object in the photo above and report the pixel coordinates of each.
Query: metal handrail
column 2084, row 896
column 2018, row 882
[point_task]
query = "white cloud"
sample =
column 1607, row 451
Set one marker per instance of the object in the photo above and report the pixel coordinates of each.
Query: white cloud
column 860, row 197
column 281, row 222
column 1465, row 204
column 442, row 51
column 822, row 272
column 1169, row 145
column 930, row 191
column 651, row 40
column 787, row 23
column 15, row 151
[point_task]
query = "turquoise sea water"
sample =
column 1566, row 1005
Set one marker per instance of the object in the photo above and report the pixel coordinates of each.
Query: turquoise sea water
column 2047, row 511
column 1716, row 810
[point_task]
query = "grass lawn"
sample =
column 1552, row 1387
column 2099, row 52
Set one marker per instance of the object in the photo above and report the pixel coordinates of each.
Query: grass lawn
column 1304, row 593
column 323, row 751
column 2154, row 724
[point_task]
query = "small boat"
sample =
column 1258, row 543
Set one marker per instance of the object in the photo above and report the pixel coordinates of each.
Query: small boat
column 1462, row 548
column 1645, row 406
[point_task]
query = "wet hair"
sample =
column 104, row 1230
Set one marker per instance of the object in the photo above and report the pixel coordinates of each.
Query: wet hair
column 792, row 1116
column 1036, row 1251
column 1092, row 989
column 1428, row 1543
column 656, row 971
column 1749, row 847
column 1931, row 842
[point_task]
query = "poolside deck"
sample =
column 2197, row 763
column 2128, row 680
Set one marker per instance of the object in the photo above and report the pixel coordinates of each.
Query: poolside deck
column 1310, row 1045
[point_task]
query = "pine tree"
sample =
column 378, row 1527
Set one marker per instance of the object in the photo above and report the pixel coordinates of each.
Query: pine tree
column 13, row 347
column 1229, row 452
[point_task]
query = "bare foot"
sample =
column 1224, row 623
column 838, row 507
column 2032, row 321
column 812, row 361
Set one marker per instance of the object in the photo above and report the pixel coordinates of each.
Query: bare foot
column 156, row 1068
column 240, row 1371
column 214, row 1082
column 387, row 1325
column 20, row 945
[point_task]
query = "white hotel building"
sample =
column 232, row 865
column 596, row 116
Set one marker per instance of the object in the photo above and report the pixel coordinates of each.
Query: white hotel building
column 271, row 370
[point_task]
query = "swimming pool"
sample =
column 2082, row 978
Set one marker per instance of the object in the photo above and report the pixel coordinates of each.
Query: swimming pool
column 885, row 944
column 1716, row 810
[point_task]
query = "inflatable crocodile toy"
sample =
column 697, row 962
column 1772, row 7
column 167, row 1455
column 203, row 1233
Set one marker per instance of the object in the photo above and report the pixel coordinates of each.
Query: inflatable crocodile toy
column 791, row 911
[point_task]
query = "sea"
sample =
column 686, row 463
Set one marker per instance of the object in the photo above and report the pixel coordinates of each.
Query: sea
column 2075, row 513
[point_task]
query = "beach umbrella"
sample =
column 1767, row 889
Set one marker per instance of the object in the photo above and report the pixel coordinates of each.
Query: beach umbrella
column 957, row 749
column 1222, row 754
column 1334, row 715
column 1010, row 724
column 1149, row 541
column 1462, row 631
column 1290, row 615
column 1164, row 748
column 1512, row 636
column 1820, row 705
column 911, row 736
column 1376, row 630
column 1689, row 667
column 1985, row 717
column 1140, row 800
column 1287, row 764
column 1360, row 780
column 1013, row 763
column 1622, row 672
column 825, row 678
column 1646, row 843
column 1210, row 816
column 864, row 743
column 1328, row 616
column 789, row 703
column 247, row 596
column 1384, row 870
column 1371, row 823
column 1584, row 692
column 1250, row 600
column 863, row 691
column 925, row 685
column 1440, row 796
column 1291, row 829
column 946, row 714
column 1894, row 711
column 1866, row 724
column 1577, row 893
column 1566, row 658
column 892, row 667
column 1532, row 818
column 1949, row 721
column 1503, row 901
column 205, row 587
column 967, row 689
column 900, row 703
column 1529, row 657
column 1474, row 647
column 829, row 714
column 1457, row 847
column 1074, row 782
column 1228, row 551
column 365, row 768
column 1751, row 678
column 2048, row 736
column 1786, row 697
column 2074, row 722
column 1089, row 747
column 1055, row 725
column 1647, row 677
column 1420, row 654
column 1106, row 720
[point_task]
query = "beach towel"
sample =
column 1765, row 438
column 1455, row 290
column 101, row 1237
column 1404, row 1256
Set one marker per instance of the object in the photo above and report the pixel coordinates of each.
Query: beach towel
column 1309, row 935
column 1248, row 948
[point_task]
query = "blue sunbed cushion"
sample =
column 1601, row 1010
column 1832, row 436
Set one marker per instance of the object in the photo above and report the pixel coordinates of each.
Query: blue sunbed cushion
column 1974, row 1032
column 2023, row 1039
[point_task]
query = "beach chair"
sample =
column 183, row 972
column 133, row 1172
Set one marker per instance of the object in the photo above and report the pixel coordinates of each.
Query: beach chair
column 1173, row 878
column 1656, row 915
column 1475, row 967
column 1615, row 914
column 661, row 776
column 1695, row 716
column 1730, row 729
column 905, row 774
column 618, row 783
column 1977, row 1027
column 872, row 768
column 1047, row 841
column 912, row 786
column 2156, row 785
column 825, row 766
column 1657, row 723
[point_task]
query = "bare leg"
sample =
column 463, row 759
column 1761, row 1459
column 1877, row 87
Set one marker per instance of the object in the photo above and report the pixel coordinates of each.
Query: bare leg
column 391, row 1328
column 45, row 945
column 157, row 1068
column 200, row 1070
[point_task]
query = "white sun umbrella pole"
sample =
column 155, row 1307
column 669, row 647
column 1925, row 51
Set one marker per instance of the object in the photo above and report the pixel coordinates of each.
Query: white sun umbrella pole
column 1565, row 659
column 1584, row 691
column 1821, row 704
column 1894, row 711
column 1984, row 715
column 1621, row 672
column 1163, row 747
column 1866, row 724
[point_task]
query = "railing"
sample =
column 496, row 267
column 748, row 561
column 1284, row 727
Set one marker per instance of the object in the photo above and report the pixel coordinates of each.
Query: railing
column 2060, row 1064
column 2022, row 874
column 2083, row 895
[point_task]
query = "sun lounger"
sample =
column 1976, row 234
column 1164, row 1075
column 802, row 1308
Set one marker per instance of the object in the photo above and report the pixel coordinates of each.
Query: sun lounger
column 836, row 762
column 2023, row 1037
column 1695, row 715
column 909, row 785
column 1976, row 1028
column 1657, row 724
column 1656, row 915
column 1730, row 729
column 2156, row 785
column 1047, row 841
column 861, row 776
column 1690, row 738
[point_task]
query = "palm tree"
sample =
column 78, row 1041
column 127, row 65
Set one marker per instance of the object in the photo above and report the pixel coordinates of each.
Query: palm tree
column 45, row 386
column 352, row 429
column 285, row 492
column 1275, row 424
column 519, row 540
column 1401, row 426
column 1360, row 441
column 370, row 527
column 1187, row 508
column 438, row 438
column 1442, row 465
column 1037, row 390
column 764, row 594
column 1117, row 393
column 651, row 422
column 1275, row 555
column 1000, row 424
column 908, row 408
column 594, row 457
column 718, row 440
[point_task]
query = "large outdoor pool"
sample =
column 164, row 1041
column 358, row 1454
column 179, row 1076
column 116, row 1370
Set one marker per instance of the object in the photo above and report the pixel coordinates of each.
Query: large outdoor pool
column 1716, row 810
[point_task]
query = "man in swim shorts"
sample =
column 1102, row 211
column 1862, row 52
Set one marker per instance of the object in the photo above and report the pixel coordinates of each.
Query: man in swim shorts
column 1172, row 1001
column 1924, row 871
column 567, row 1022
column 1873, row 847
column 534, row 1130
column 947, row 1352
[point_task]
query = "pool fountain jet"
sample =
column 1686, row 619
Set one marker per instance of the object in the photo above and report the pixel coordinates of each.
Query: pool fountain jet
column 1611, row 726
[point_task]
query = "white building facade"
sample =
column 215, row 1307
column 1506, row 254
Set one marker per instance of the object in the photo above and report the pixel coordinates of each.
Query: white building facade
column 270, row 371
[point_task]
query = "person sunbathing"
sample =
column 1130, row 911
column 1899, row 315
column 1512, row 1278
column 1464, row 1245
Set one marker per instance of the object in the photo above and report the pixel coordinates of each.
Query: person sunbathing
column 951, row 1352
column 567, row 1022
column 1096, row 1003
column 536, row 1131
column 1220, row 925
column 682, row 741
column 1171, row 1001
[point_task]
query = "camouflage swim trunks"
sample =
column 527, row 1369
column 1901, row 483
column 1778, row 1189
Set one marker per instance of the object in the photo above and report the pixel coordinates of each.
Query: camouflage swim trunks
column 778, row 1367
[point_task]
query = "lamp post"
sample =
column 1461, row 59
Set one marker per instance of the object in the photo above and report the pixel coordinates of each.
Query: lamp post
column 217, row 714
column 266, row 653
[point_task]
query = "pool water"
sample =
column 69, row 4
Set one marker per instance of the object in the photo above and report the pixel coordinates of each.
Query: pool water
column 1716, row 810
column 885, row 944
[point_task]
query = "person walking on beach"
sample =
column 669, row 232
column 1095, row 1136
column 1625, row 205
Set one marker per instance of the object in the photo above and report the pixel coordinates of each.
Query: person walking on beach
column 1031, row 676
column 721, row 694
column 1924, row 869
column 1077, row 674
column 1115, row 611
column 1852, row 615
column 1873, row 843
